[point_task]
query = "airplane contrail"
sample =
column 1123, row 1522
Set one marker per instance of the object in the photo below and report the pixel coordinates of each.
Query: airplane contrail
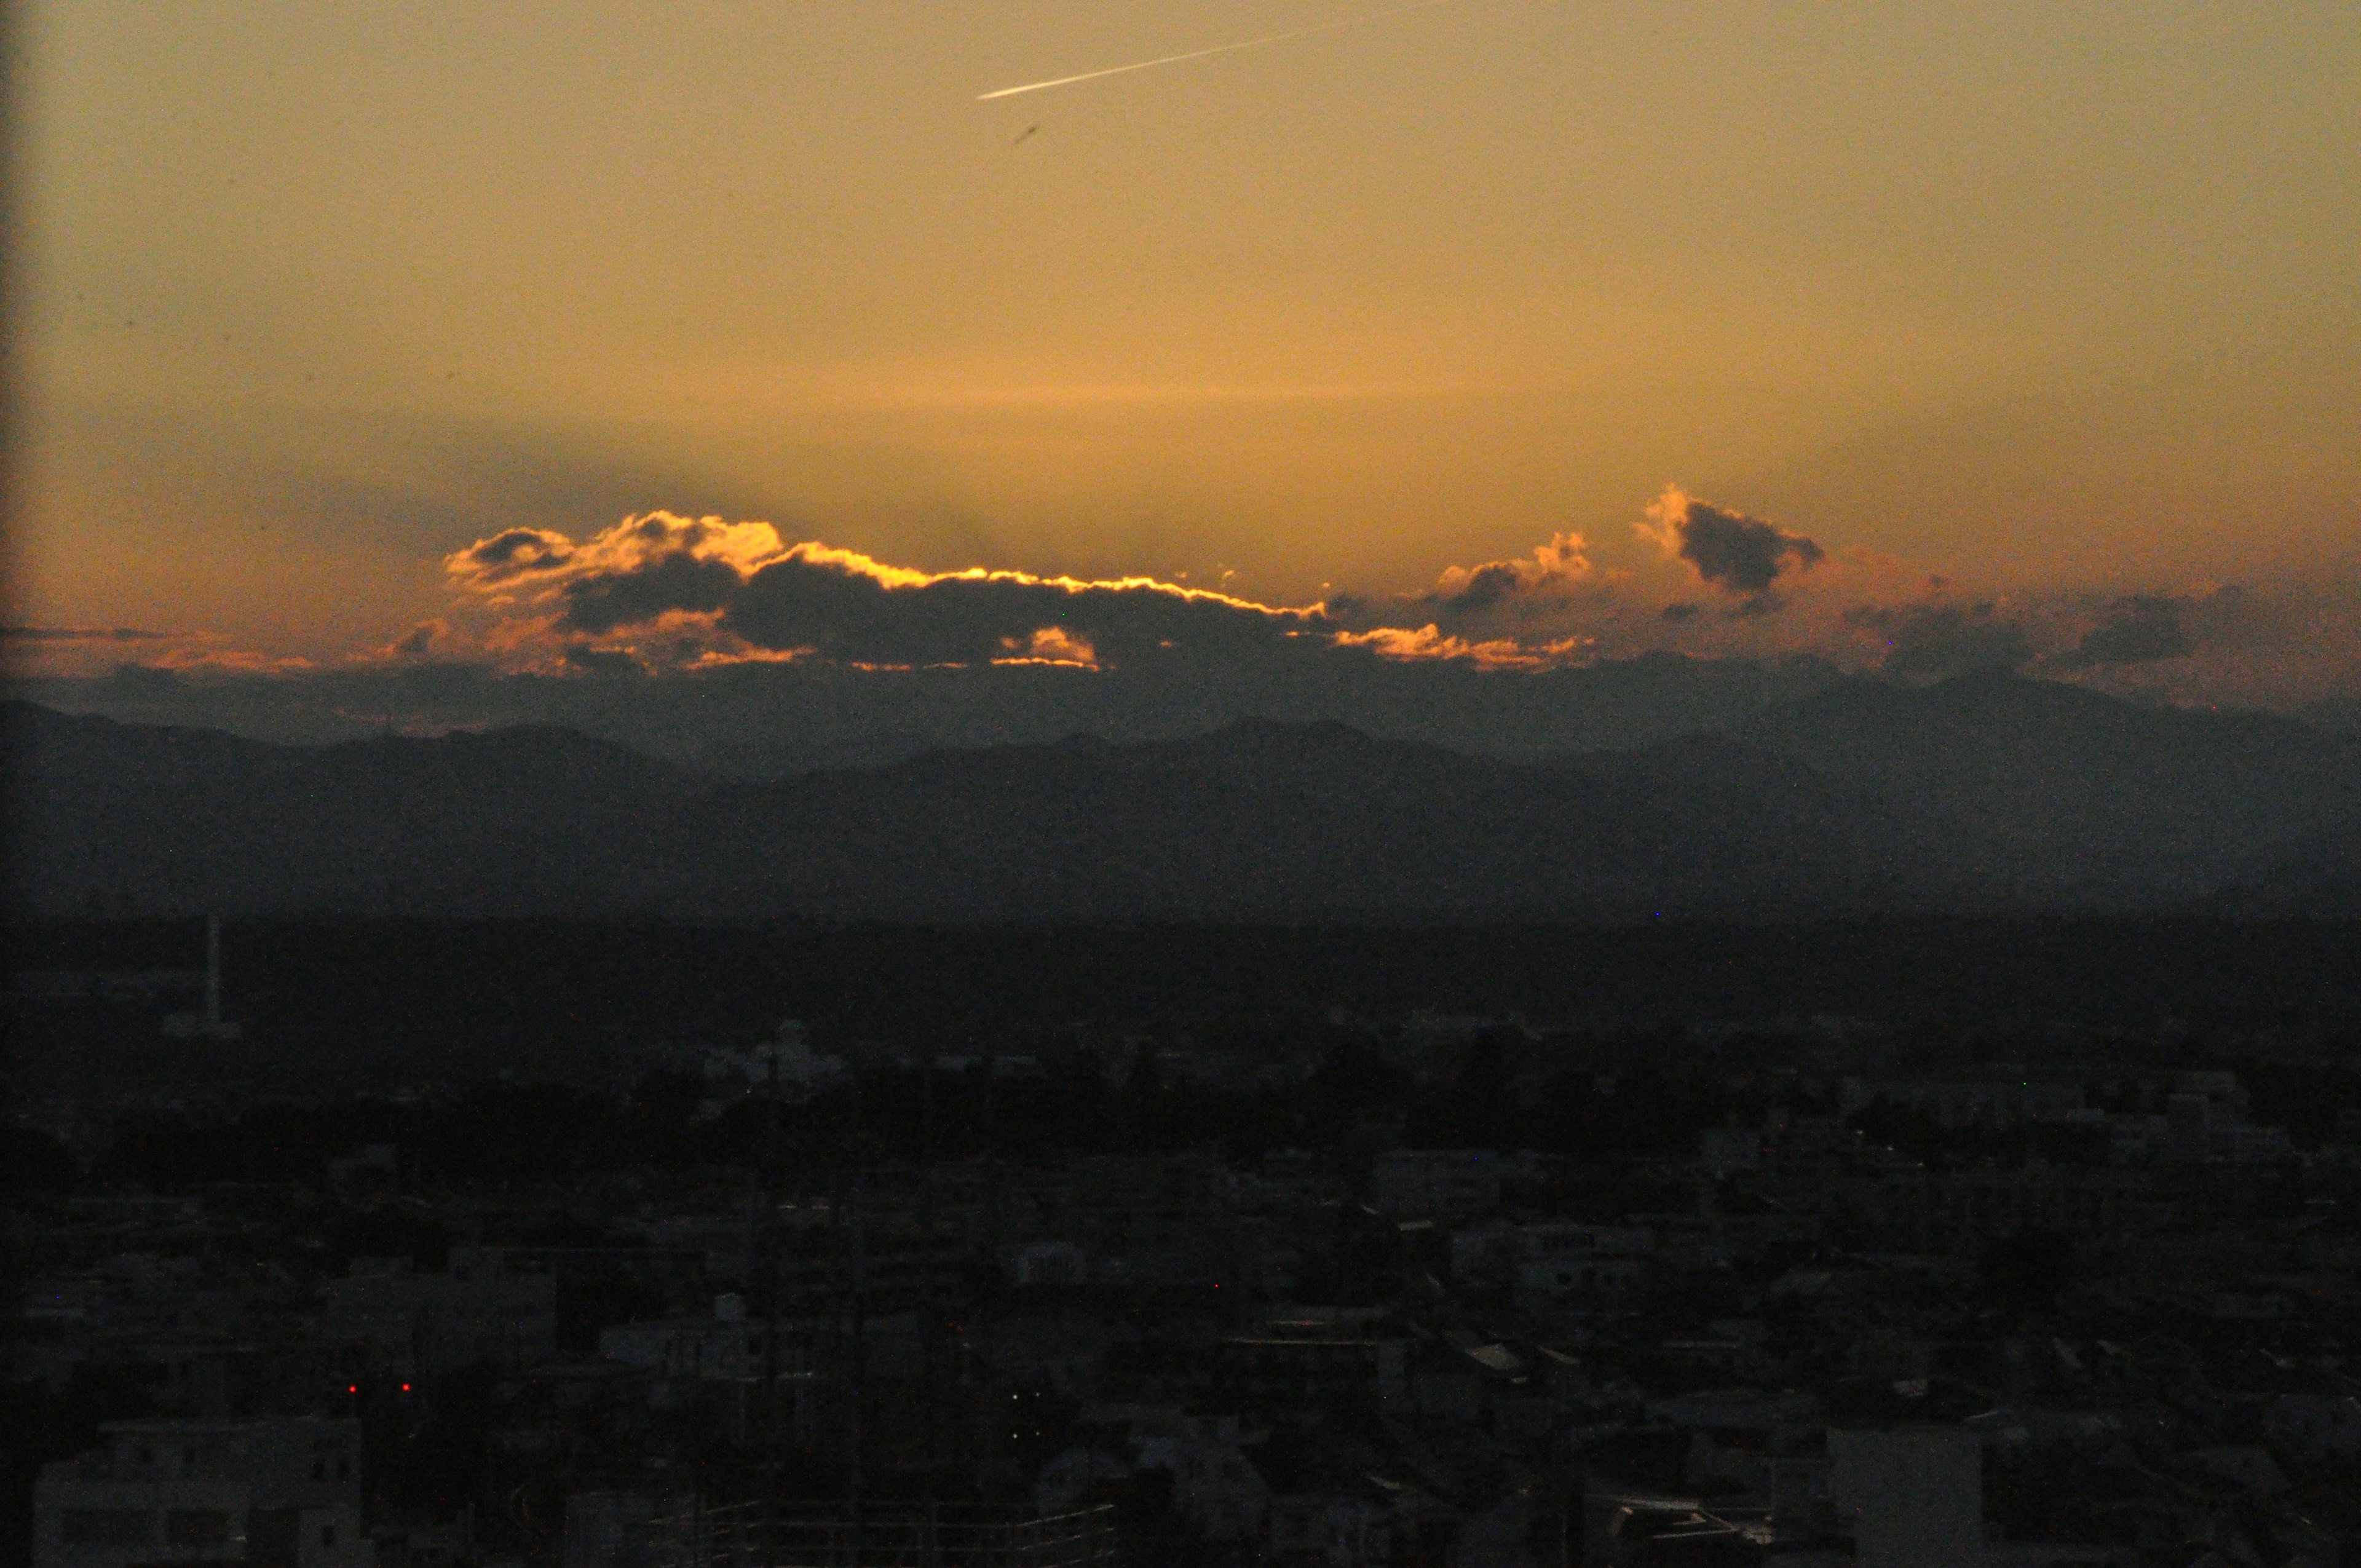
column 1218, row 49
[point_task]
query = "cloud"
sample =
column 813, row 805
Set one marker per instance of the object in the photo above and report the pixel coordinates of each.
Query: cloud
column 678, row 593
column 680, row 633
column 510, row 555
column 419, row 639
column 1049, row 645
column 36, row 651
column 714, row 589
column 422, row 641
column 1943, row 637
column 1551, row 571
column 600, row 661
column 1408, row 643
column 1740, row 555
column 77, row 634
column 2141, row 628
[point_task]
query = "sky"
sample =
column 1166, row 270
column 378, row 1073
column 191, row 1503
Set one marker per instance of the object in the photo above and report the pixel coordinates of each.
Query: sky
column 1509, row 336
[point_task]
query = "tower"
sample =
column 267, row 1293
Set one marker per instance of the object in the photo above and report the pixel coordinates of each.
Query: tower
column 213, row 974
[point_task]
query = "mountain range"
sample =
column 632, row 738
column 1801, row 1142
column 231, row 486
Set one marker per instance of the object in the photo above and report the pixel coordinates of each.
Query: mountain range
column 1989, row 791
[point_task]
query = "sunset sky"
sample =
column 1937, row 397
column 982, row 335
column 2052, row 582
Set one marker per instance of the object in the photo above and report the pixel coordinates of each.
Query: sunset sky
column 1512, row 334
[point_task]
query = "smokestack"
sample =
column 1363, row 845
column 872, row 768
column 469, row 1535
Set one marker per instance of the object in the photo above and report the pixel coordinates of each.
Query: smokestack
column 212, row 973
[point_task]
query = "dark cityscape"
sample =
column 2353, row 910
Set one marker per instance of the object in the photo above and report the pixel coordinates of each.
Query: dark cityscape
column 1220, row 1253
column 1123, row 784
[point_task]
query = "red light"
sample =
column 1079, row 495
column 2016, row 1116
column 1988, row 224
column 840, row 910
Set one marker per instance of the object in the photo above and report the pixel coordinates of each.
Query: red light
column 405, row 1387
column 353, row 1388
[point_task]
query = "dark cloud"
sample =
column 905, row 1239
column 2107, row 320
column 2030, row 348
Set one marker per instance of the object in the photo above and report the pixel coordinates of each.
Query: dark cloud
column 2143, row 628
column 599, row 661
column 851, row 615
column 1552, row 572
column 1486, row 586
column 1679, row 612
column 512, row 552
column 77, row 634
column 673, row 583
column 1739, row 555
column 1945, row 637
column 417, row 640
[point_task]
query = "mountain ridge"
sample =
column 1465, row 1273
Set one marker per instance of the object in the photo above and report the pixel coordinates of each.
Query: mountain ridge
column 1981, row 793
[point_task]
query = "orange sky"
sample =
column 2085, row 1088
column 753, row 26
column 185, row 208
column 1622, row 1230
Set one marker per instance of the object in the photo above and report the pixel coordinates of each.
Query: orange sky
column 2055, row 305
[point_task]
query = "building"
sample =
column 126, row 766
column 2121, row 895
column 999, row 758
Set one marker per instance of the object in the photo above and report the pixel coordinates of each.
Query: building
column 1301, row 1377
column 2004, row 1095
column 207, row 1025
column 1459, row 1183
column 483, row 1310
column 787, row 1059
column 273, row 1494
column 1912, row 1495
column 725, row 1347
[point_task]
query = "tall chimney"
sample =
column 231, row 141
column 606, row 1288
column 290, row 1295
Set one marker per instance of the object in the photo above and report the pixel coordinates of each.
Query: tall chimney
column 212, row 972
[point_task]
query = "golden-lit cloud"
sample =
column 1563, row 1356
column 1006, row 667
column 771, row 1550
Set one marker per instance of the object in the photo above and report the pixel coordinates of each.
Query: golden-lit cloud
column 1052, row 645
column 1430, row 641
column 718, row 591
column 659, row 592
column 672, row 627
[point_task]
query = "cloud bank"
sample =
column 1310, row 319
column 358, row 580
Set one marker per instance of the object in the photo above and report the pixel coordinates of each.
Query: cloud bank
column 687, row 634
column 674, row 590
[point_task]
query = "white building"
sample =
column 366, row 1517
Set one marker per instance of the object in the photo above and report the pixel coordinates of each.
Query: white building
column 278, row 1493
column 725, row 1347
column 801, row 1071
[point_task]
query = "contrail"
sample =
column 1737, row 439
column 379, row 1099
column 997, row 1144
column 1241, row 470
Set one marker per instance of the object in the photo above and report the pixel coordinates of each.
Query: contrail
column 1219, row 49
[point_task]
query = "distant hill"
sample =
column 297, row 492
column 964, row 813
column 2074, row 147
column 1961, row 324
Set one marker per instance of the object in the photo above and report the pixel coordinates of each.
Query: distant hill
column 2049, row 793
column 1262, row 821
column 108, row 816
column 1985, row 792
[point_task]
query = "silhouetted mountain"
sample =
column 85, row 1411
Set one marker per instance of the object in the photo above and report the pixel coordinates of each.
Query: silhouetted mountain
column 2032, row 791
column 767, row 721
column 1983, row 792
column 1261, row 820
column 107, row 816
